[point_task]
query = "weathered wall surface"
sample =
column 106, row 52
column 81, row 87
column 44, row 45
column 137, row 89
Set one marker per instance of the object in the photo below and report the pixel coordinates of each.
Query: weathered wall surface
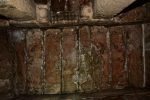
column 75, row 59
column 52, row 61
column 84, row 59
column 119, row 56
column 135, row 55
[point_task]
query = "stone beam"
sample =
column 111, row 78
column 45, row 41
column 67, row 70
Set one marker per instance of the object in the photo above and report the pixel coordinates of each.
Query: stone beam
column 109, row 8
column 18, row 9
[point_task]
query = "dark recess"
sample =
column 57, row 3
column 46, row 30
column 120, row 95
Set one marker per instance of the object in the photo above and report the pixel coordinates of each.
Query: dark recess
column 136, row 4
column 41, row 1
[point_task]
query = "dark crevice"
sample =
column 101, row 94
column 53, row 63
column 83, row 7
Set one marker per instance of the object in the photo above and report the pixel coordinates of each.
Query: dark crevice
column 3, row 17
column 41, row 1
column 134, row 5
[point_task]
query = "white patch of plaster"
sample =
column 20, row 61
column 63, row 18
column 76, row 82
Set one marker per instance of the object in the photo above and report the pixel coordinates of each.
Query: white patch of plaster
column 87, row 11
column 72, row 57
column 18, row 35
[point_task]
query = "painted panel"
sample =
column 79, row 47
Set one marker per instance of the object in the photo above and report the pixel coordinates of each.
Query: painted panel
column 85, row 68
column 70, row 82
column 53, row 62
column 135, row 55
column 100, row 58
column 119, row 69
column 34, row 60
